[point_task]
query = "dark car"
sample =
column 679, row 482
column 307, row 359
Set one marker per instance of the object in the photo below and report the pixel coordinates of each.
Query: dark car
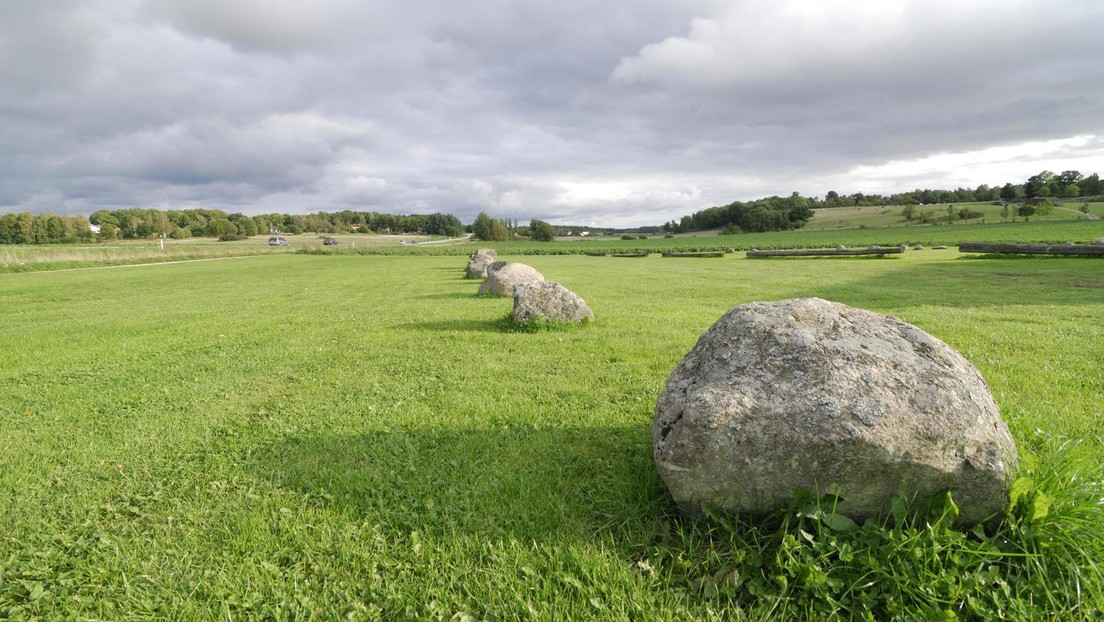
column 274, row 241
column 329, row 242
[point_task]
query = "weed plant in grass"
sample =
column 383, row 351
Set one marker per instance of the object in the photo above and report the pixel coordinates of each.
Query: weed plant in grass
column 360, row 437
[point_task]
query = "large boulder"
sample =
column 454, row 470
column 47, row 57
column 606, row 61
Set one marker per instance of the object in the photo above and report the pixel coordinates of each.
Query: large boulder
column 815, row 395
column 478, row 262
column 549, row 301
column 502, row 276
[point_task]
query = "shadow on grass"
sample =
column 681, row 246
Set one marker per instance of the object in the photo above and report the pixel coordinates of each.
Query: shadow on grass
column 516, row 480
column 977, row 282
column 464, row 295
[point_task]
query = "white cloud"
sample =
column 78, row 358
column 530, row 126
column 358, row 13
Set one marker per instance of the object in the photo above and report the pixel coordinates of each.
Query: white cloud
column 992, row 166
column 786, row 45
column 623, row 111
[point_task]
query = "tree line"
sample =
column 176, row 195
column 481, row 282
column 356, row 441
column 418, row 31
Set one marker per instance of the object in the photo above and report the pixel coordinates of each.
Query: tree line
column 1068, row 184
column 769, row 214
column 776, row 214
column 139, row 223
column 27, row 228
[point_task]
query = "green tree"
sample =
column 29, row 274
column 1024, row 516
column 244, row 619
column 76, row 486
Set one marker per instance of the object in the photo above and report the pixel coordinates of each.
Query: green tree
column 245, row 224
column 1041, row 185
column 82, row 229
column 221, row 226
column 909, row 212
column 1065, row 180
column 1091, row 186
column 7, row 228
column 24, row 228
column 1008, row 192
column 444, row 224
column 490, row 229
column 1026, row 211
column 107, row 221
column 542, row 231
column 55, row 229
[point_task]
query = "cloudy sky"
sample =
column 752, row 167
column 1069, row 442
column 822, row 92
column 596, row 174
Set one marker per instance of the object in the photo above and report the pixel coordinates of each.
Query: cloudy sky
column 615, row 113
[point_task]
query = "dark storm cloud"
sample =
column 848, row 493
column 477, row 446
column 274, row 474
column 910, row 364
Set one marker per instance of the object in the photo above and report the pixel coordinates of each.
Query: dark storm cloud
column 618, row 112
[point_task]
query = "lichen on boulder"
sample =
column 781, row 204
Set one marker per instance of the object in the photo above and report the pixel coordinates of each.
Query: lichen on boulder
column 502, row 276
column 814, row 395
column 479, row 261
column 549, row 301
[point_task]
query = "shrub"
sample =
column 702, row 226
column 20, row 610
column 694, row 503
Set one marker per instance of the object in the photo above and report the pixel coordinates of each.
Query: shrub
column 230, row 237
column 542, row 231
column 490, row 229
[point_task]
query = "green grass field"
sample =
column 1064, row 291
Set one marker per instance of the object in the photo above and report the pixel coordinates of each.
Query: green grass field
column 829, row 228
column 29, row 258
column 891, row 215
column 342, row 436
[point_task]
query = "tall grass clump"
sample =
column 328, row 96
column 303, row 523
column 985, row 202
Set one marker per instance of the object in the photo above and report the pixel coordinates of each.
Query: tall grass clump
column 807, row 562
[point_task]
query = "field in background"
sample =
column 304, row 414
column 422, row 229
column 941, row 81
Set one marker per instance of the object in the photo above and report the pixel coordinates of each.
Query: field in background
column 314, row 437
column 27, row 258
column 891, row 215
column 830, row 227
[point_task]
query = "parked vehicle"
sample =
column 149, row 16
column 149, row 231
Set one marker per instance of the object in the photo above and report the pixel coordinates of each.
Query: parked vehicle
column 277, row 241
column 329, row 242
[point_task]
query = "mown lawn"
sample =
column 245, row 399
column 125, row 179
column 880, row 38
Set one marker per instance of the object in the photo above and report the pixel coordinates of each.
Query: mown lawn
column 361, row 437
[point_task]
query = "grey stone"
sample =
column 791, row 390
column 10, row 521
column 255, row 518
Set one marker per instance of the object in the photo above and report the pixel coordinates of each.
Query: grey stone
column 815, row 395
column 549, row 301
column 502, row 276
column 479, row 261
column 1098, row 242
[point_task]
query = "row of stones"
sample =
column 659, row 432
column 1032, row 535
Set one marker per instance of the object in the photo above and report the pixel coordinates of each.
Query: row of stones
column 535, row 299
column 808, row 394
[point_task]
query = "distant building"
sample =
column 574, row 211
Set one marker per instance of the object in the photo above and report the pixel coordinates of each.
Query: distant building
column 94, row 228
